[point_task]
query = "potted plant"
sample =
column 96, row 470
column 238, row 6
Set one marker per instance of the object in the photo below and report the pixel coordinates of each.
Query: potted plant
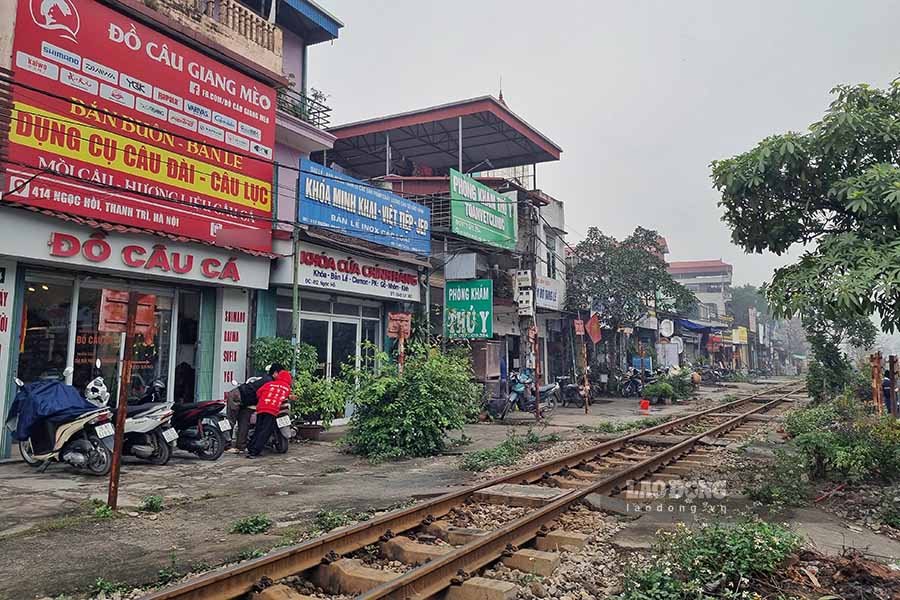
column 316, row 402
column 658, row 391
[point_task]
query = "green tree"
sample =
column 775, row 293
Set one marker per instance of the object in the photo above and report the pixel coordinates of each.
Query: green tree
column 836, row 190
column 622, row 280
column 745, row 297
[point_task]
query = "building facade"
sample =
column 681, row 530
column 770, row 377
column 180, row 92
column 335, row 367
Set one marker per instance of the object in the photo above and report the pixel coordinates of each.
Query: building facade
column 710, row 280
column 141, row 161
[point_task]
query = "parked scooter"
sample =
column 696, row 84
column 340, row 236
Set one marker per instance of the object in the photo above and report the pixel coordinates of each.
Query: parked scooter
column 631, row 385
column 149, row 434
column 75, row 432
column 281, row 436
column 521, row 394
column 575, row 394
column 201, row 426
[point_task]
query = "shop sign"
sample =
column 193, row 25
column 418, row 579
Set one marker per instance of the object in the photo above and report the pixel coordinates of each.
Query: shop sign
column 468, row 309
column 579, row 327
column 335, row 271
column 137, row 128
column 739, row 335
column 399, row 325
column 330, row 199
column 36, row 237
column 666, row 328
column 481, row 214
column 7, row 301
column 549, row 293
column 232, row 326
column 114, row 314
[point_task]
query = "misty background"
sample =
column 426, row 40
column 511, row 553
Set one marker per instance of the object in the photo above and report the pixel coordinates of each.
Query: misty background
column 641, row 95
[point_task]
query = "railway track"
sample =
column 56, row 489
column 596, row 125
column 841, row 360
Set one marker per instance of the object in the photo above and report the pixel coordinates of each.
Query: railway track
column 549, row 490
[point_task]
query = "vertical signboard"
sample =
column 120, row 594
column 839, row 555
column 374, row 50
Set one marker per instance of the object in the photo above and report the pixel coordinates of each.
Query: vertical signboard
column 126, row 125
column 7, row 301
column 231, row 347
column 479, row 213
column 469, row 309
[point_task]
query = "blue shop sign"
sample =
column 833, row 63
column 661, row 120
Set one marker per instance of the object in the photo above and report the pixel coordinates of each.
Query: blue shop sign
column 346, row 205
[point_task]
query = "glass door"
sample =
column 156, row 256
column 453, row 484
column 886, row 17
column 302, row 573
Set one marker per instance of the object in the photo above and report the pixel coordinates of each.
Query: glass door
column 315, row 332
column 344, row 345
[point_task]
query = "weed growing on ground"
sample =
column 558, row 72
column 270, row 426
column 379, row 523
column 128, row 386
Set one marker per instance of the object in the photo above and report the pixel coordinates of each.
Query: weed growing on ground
column 608, row 427
column 326, row 520
column 506, row 453
column 152, row 504
column 200, row 566
column 332, row 470
column 104, row 586
column 729, row 398
column 689, row 563
column 252, row 525
column 784, row 483
column 170, row 572
column 251, row 553
column 104, row 512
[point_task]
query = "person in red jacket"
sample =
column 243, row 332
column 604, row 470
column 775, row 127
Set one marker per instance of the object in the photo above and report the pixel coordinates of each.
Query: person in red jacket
column 268, row 403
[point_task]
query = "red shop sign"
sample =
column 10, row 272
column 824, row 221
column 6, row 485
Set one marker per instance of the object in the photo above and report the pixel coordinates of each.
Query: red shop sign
column 579, row 327
column 139, row 130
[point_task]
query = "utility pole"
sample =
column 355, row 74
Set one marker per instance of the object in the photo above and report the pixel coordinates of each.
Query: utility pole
column 295, row 299
column 536, row 348
column 122, row 403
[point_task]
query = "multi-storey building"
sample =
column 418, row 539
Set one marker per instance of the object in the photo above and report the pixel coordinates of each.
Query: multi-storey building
column 710, row 280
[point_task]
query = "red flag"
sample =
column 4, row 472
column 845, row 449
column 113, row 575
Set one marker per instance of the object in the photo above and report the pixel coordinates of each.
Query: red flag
column 593, row 329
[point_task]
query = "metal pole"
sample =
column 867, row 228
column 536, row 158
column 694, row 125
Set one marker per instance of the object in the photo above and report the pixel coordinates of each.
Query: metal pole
column 295, row 299
column 387, row 153
column 428, row 304
column 587, row 382
column 459, row 120
column 444, row 306
column 892, row 362
column 536, row 348
column 122, row 404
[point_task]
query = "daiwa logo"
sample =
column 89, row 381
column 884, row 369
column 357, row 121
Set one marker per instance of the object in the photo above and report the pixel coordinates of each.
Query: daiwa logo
column 56, row 15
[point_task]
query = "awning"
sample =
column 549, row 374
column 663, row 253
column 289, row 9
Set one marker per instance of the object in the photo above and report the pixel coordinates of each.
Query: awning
column 691, row 326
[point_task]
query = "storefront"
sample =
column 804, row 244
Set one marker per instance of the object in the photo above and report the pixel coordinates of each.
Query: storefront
column 344, row 301
column 64, row 296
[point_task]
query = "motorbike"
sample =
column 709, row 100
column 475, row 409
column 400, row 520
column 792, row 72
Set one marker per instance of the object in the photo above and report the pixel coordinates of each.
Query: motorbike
column 201, row 427
column 284, row 430
column 149, row 434
column 575, row 394
column 521, row 394
column 631, row 385
column 81, row 435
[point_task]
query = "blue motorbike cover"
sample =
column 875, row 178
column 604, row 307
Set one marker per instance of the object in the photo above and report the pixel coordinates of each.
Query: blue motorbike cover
column 54, row 401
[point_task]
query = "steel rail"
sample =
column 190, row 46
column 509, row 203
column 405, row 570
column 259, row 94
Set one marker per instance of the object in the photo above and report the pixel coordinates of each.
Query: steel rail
column 239, row 579
column 436, row 575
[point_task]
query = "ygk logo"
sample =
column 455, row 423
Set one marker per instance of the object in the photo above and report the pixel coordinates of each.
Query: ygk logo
column 56, row 15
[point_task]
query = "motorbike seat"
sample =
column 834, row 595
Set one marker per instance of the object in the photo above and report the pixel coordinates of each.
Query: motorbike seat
column 548, row 388
column 134, row 410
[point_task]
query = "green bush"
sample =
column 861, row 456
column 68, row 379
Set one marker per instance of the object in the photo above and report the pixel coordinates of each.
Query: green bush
column 841, row 440
column 318, row 399
column 680, row 382
column 688, row 561
column 268, row 350
column 658, row 390
column 152, row 504
column 409, row 416
column 252, row 524
column 786, row 483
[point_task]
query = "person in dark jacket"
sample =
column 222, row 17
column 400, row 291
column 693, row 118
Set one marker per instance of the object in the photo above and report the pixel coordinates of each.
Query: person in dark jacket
column 241, row 400
column 268, row 405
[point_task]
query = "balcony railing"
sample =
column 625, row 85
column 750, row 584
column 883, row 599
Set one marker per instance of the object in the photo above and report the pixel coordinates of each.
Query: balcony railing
column 233, row 16
column 304, row 107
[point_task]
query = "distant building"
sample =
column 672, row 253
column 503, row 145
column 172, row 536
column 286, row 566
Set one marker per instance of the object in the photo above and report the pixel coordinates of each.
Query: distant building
column 710, row 280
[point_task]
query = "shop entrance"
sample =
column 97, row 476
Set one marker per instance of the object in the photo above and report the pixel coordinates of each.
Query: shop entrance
column 336, row 342
column 186, row 351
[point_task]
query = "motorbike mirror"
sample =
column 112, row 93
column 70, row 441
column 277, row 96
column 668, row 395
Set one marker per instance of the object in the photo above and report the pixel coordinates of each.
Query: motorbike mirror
column 19, row 382
column 234, row 383
column 98, row 363
column 68, row 371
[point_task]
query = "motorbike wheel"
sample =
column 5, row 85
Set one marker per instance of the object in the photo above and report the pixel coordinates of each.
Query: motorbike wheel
column 506, row 406
column 27, row 453
column 101, row 458
column 215, row 443
column 280, row 443
column 163, row 450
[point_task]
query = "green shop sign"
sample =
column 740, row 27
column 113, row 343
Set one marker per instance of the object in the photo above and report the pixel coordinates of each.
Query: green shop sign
column 469, row 309
column 479, row 213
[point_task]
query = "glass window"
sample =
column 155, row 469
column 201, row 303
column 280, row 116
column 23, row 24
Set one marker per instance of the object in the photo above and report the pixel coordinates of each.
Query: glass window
column 45, row 332
column 315, row 333
column 282, row 301
column 101, row 321
column 372, row 312
column 284, row 320
column 315, row 305
column 369, row 334
column 341, row 308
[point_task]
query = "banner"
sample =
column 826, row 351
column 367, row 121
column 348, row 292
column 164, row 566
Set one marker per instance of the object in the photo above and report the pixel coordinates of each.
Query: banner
column 549, row 293
column 481, row 214
column 123, row 124
column 468, row 309
column 327, row 198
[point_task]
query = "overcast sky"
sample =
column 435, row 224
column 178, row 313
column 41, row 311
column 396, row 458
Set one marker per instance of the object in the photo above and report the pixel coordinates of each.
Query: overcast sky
column 640, row 95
